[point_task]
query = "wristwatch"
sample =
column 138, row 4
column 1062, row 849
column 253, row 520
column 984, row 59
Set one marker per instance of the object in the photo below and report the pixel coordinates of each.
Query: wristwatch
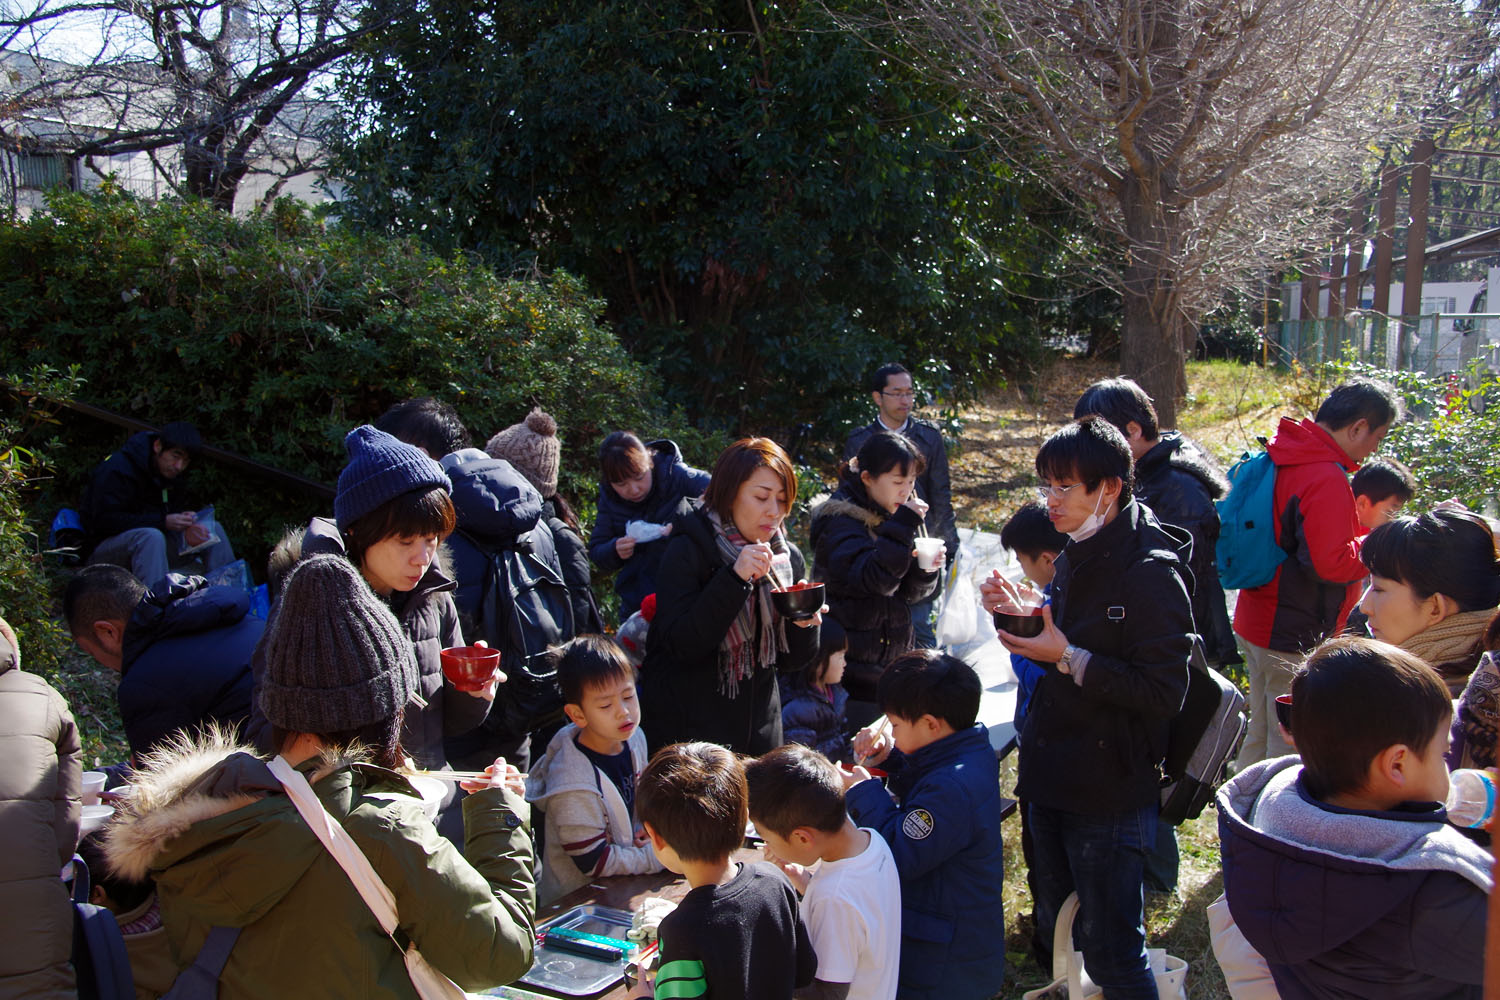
column 1065, row 661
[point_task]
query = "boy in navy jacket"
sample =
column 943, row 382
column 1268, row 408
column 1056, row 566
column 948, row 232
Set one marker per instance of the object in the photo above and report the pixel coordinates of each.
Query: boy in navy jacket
column 943, row 828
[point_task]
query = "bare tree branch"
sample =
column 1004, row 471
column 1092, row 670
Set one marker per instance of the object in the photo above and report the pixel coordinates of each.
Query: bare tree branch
column 206, row 81
column 1207, row 137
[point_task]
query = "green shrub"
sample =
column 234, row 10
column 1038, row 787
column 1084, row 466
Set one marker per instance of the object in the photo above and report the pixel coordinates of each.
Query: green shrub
column 27, row 588
column 277, row 334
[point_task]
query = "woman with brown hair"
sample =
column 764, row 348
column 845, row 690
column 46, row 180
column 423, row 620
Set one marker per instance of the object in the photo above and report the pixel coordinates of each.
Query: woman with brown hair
column 717, row 642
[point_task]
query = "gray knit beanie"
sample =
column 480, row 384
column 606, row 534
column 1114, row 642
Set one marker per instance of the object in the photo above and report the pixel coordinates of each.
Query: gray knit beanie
column 532, row 447
column 336, row 657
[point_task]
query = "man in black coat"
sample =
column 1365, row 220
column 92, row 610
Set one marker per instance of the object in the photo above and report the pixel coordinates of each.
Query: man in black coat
column 182, row 649
column 1179, row 483
column 892, row 390
column 1114, row 650
column 137, row 512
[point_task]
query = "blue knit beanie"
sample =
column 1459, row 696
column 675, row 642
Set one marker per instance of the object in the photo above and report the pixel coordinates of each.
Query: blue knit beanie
column 381, row 468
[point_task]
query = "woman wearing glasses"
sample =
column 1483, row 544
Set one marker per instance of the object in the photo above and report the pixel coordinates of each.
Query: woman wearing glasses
column 1114, row 648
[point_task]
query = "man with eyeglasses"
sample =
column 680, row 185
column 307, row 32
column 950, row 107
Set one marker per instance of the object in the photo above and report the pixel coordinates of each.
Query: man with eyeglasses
column 1113, row 646
column 895, row 397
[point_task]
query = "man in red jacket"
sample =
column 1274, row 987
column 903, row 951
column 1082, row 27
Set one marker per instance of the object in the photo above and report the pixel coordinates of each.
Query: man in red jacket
column 1313, row 591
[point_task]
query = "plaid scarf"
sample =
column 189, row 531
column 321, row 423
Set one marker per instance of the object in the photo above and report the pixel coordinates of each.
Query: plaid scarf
column 757, row 633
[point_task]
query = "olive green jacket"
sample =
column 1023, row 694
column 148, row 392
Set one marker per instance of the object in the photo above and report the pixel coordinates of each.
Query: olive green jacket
column 227, row 847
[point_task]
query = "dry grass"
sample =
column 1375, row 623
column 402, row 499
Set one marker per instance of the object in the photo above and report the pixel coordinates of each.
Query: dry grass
column 1227, row 407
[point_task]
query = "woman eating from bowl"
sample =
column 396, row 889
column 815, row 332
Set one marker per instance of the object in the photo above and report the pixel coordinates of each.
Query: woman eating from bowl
column 391, row 514
column 717, row 640
column 1434, row 585
column 863, row 541
column 238, row 869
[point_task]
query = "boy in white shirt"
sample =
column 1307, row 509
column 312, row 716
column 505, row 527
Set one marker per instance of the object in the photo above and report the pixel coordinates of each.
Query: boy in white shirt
column 852, row 898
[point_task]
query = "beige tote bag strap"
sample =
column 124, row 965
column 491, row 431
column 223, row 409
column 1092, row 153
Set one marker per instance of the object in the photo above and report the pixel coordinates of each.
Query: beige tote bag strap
column 430, row 984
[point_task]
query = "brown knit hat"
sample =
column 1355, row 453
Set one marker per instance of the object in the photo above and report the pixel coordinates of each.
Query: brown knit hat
column 532, row 447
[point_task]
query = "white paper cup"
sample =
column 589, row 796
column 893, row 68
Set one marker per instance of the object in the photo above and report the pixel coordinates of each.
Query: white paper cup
column 93, row 818
column 93, row 784
column 929, row 550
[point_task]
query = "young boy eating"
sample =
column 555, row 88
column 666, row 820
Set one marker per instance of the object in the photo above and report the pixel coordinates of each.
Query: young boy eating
column 737, row 934
column 943, row 827
column 1339, row 869
column 852, row 901
column 586, row 781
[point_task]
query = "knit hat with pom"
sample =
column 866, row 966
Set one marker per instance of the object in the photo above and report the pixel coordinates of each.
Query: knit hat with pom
column 532, row 447
column 336, row 657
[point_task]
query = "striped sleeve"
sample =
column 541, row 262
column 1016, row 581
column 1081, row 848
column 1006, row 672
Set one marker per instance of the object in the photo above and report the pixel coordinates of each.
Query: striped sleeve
column 682, row 978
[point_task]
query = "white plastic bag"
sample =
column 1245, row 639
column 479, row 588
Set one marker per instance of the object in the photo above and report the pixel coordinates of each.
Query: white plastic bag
column 644, row 531
column 957, row 621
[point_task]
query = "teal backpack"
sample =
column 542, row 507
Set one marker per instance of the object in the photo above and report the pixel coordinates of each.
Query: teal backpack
column 1247, row 553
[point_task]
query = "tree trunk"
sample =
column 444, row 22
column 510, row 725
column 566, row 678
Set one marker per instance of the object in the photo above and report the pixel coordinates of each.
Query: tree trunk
column 1152, row 355
column 1151, row 342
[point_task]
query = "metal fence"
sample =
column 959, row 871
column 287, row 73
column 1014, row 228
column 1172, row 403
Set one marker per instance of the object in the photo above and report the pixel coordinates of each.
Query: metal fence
column 1435, row 344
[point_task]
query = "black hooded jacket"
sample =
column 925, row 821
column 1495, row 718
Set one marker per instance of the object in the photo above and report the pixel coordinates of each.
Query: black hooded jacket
column 864, row 556
column 125, row 492
column 1180, row 484
column 1098, row 747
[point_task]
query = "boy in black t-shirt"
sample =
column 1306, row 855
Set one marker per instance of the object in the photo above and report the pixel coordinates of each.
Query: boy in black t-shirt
column 585, row 782
column 737, row 934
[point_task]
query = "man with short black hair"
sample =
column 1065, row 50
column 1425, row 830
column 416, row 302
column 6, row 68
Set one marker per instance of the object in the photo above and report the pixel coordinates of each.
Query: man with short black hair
column 895, row 397
column 182, row 649
column 1114, row 648
column 1316, row 523
column 137, row 512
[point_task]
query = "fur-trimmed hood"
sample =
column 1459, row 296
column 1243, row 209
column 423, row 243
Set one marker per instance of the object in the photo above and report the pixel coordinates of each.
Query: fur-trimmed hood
column 182, row 803
column 1173, row 450
column 835, row 506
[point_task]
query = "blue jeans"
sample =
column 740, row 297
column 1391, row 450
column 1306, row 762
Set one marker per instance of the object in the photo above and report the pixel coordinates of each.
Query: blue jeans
column 1102, row 858
column 149, row 553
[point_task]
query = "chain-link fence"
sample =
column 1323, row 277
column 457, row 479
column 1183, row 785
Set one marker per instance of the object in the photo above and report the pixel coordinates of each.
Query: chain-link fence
column 1434, row 344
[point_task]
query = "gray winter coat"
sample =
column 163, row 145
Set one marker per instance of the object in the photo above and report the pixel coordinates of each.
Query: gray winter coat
column 582, row 806
column 39, row 809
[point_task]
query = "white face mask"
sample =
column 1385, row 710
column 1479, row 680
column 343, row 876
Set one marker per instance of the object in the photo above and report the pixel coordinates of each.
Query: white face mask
column 1091, row 524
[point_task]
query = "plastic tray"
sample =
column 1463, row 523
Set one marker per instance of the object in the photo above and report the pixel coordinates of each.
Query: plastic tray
column 577, row 975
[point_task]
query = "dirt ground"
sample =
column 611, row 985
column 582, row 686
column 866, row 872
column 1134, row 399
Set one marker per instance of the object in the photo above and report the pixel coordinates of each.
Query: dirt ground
column 993, row 471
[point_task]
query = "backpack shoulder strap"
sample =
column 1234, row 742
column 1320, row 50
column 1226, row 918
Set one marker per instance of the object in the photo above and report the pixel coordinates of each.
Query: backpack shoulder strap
column 200, row 981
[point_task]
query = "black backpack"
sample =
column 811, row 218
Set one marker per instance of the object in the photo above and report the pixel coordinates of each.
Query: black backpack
column 523, row 611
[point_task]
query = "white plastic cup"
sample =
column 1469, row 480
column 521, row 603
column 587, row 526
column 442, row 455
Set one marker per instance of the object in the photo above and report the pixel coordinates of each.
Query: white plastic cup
column 93, row 784
column 929, row 550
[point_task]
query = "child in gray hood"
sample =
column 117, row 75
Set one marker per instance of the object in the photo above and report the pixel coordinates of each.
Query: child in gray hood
column 585, row 783
column 1339, row 867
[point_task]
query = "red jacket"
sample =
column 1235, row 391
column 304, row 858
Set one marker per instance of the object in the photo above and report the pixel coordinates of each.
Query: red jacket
column 1317, row 586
